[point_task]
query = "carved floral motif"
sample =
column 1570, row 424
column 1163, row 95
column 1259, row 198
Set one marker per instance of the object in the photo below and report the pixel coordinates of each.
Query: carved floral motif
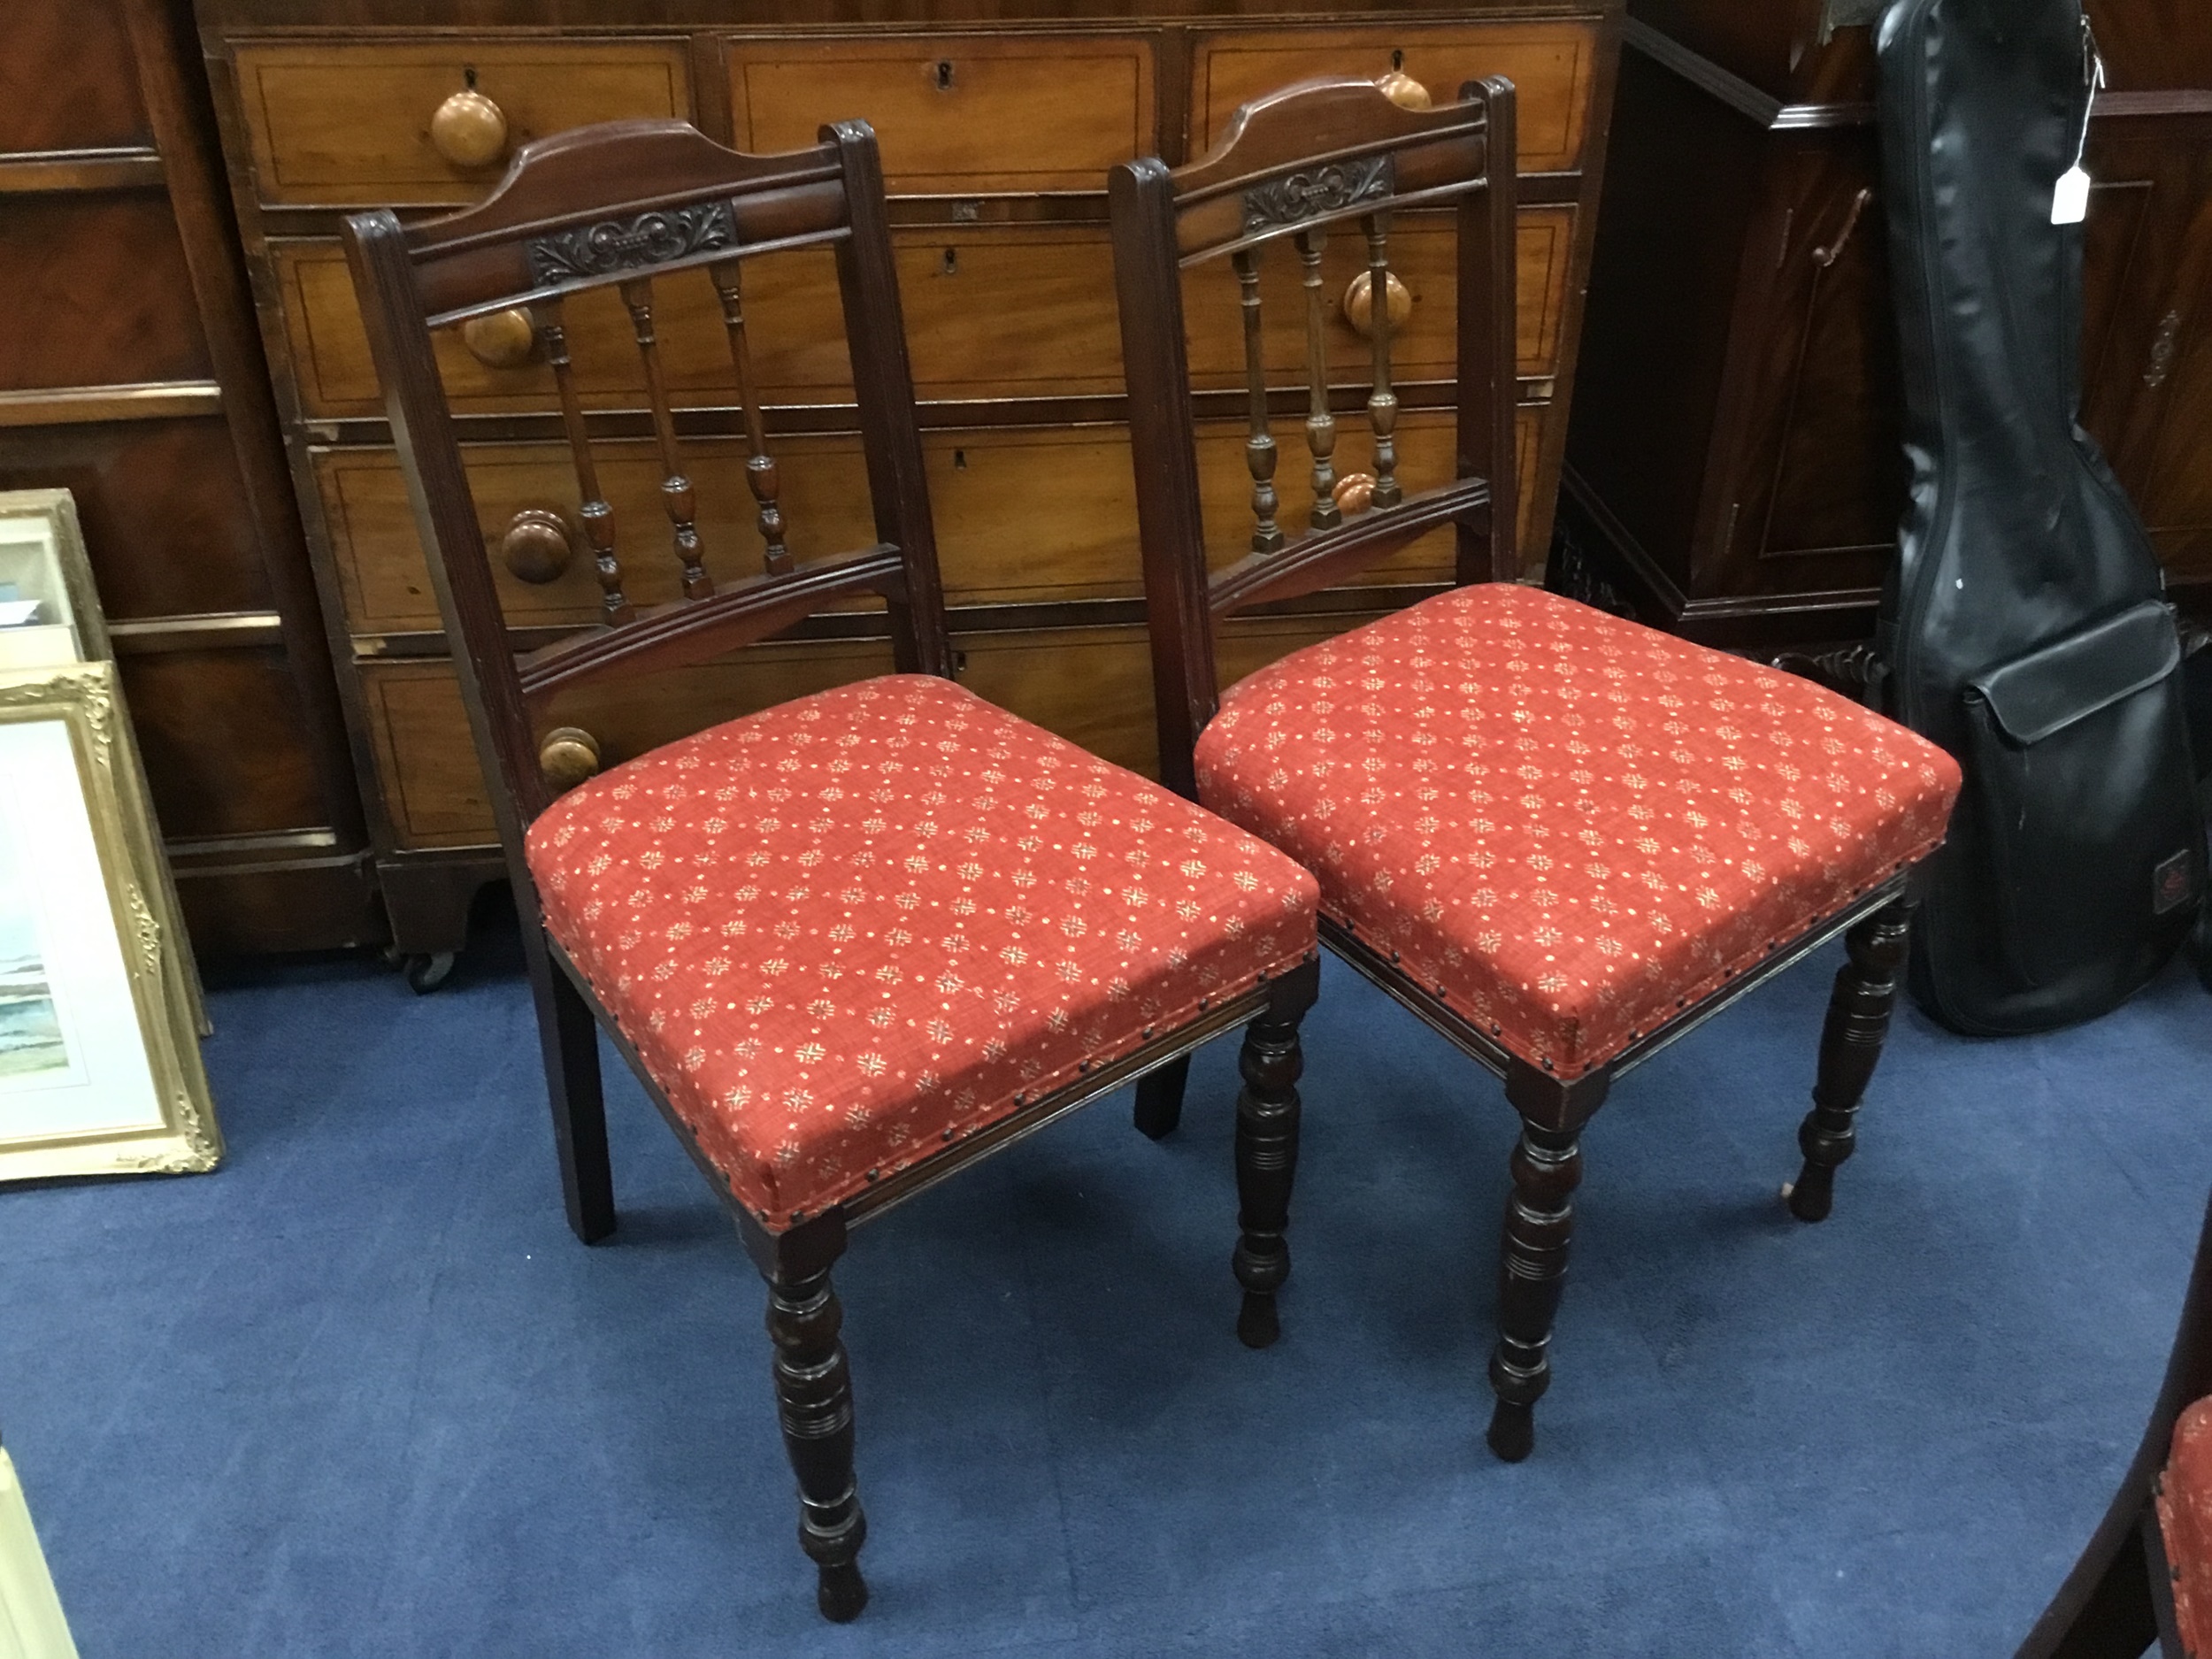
column 1300, row 196
column 659, row 237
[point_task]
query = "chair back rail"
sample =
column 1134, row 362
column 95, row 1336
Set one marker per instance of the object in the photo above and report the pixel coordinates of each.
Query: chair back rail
column 1293, row 168
column 632, row 205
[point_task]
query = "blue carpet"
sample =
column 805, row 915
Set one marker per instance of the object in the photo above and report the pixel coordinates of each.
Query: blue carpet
column 360, row 1393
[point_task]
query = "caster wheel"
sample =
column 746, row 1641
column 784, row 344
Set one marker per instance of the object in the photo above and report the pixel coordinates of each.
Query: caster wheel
column 426, row 973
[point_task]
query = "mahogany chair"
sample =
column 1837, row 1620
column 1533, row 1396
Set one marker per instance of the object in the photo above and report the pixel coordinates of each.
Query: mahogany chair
column 858, row 940
column 2146, row 1576
column 1561, row 839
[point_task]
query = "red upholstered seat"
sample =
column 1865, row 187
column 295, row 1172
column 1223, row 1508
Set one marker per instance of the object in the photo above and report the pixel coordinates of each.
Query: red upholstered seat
column 1565, row 825
column 855, row 926
column 2185, row 1520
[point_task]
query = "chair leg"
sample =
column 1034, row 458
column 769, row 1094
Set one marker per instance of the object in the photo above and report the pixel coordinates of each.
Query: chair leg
column 1850, row 1047
column 1267, row 1150
column 1540, row 1221
column 569, row 1037
column 814, row 1399
column 1160, row 1098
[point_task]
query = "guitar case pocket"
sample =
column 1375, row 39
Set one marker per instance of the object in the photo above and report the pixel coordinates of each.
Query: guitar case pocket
column 2089, row 862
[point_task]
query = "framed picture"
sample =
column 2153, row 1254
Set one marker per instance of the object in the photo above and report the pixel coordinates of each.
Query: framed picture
column 100, row 1070
column 49, row 615
column 49, row 612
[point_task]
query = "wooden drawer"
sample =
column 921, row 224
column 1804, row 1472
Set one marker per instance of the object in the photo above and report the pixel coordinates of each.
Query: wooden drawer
column 434, row 792
column 347, row 122
column 990, row 313
column 1024, row 514
column 98, row 292
column 1032, row 514
column 226, row 741
column 1552, row 66
column 386, row 583
column 1094, row 686
column 1425, row 256
column 956, row 114
column 1426, row 454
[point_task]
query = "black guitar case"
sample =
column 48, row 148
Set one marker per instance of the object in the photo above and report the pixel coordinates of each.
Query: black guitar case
column 2025, row 628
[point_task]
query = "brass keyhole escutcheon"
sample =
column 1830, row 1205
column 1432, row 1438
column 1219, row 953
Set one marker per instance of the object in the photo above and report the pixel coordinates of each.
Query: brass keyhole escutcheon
column 944, row 75
column 567, row 755
column 538, row 545
column 469, row 130
column 1359, row 304
column 1403, row 89
column 502, row 340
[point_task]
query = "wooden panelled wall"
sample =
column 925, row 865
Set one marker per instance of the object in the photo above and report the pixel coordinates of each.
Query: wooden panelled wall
column 1735, row 471
column 998, row 124
column 131, row 373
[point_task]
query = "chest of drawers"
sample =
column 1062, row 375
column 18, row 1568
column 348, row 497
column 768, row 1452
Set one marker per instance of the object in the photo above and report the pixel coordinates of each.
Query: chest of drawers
column 131, row 374
column 998, row 123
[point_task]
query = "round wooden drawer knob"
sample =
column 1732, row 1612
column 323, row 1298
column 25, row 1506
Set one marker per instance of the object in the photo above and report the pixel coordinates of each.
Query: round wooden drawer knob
column 504, row 339
column 568, row 755
column 538, row 545
column 1404, row 91
column 1354, row 494
column 469, row 130
column 1359, row 303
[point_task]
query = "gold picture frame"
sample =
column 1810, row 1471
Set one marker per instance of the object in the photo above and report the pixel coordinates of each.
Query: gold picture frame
column 42, row 551
column 100, row 1070
column 42, row 547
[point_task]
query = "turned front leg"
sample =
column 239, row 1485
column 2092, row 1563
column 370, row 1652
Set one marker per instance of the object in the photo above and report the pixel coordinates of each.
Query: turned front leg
column 1532, row 1274
column 815, row 1401
column 1267, row 1151
column 1850, row 1047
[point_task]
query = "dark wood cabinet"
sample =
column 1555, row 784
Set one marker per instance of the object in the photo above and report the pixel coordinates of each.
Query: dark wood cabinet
column 1734, row 469
column 131, row 373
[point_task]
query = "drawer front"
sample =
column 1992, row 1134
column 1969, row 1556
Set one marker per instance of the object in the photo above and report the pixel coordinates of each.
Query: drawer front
column 386, row 583
column 1423, row 255
column 226, row 741
column 98, row 292
column 989, row 314
column 1094, row 686
column 434, row 791
column 345, row 123
column 1025, row 515
column 164, row 503
column 1426, row 453
column 1552, row 66
column 1091, row 685
column 957, row 115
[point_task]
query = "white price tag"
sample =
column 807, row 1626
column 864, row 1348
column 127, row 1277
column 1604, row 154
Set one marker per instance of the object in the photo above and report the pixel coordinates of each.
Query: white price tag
column 2069, row 202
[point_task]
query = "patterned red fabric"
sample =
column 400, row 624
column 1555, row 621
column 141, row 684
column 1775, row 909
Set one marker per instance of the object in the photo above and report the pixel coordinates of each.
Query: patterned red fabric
column 1567, row 825
column 2185, row 1519
column 849, row 929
